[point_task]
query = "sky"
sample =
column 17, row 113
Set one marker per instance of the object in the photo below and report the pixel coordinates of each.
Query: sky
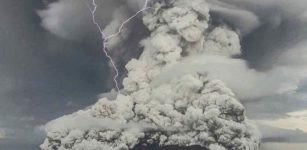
column 47, row 73
column 42, row 76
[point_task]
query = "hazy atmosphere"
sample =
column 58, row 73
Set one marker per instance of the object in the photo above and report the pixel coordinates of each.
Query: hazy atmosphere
column 52, row 64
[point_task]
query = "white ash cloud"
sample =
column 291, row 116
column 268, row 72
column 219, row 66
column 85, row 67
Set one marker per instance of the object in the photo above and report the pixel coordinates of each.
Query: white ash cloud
column 243, row 20
column 287, row 62
column 244, row 16
column 66, row 18
column 70, row 18
column 240, row 78
column 189, row 109
column 251, row 14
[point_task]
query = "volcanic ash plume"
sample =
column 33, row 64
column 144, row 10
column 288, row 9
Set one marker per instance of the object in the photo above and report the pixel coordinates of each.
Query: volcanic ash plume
column 189, row 109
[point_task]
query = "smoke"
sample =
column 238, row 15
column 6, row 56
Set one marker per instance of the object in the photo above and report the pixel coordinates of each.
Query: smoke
column 66, row 19
column 189, row 109
column 249, row 84
column 256, row 13
column 183, row 50
column 69, row 18
column 243, row 20
column 287, row 64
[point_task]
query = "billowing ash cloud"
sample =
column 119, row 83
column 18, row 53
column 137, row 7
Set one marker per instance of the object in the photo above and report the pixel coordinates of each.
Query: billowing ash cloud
column 286, row 69
column 70, row 18
column 188, row 108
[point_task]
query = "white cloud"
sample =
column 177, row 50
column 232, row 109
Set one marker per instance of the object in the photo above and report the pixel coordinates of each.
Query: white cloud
column 302, row 113
column 66, row 18
column 295, row 121
column 247, row 83
column 71, row 19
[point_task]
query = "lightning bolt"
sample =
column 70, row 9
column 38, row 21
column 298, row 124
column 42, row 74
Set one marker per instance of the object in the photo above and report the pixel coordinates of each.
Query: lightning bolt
column 105, row 38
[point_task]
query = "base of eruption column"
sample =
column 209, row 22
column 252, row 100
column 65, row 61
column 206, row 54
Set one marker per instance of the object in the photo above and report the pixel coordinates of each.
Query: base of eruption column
column 157, row 147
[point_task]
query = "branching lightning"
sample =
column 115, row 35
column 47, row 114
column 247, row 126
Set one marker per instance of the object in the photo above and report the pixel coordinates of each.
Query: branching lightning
column 105, row 38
